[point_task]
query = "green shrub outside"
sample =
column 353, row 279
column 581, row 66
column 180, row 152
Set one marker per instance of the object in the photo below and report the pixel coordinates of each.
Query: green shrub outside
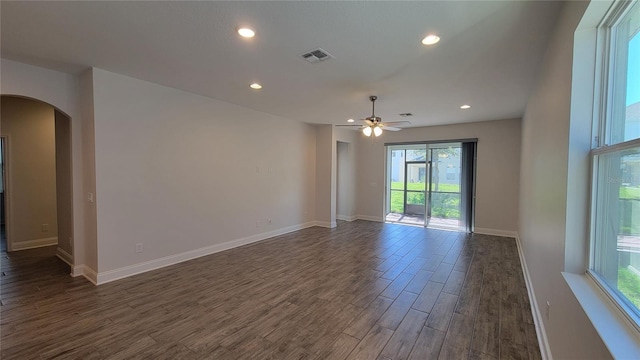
column 444, row 205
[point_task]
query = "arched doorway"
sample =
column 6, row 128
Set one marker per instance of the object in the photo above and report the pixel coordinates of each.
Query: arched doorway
column 36, row 176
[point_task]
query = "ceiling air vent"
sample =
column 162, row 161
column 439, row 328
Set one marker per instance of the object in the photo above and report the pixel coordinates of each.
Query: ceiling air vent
column 316, row 55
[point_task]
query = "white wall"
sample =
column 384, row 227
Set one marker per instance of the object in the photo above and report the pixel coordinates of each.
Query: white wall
column 347, row 180
column 179, row 172
column 90, row 234
column 497, row 177
column 61, row 91
column 64, row 181
column 30, row 128
column 543, row 197
column 344, row 176
column 325, row 206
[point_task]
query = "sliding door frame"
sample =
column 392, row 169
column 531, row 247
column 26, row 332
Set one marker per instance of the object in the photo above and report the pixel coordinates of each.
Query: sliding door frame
column 468, row 171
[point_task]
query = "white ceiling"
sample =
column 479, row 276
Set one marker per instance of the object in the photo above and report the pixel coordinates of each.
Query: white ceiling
column 488, row 56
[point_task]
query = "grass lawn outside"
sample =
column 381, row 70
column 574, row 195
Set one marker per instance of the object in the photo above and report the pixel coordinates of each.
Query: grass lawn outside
column 630, row 193
column 629, row 211
column 629, row 285
column 399, row 185
column 444, row 205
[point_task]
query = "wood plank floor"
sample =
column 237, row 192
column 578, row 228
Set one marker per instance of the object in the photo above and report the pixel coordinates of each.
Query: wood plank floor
column 364, row 290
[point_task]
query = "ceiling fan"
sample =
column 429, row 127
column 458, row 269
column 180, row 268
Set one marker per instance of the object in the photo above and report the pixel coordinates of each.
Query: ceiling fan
column 374, row 125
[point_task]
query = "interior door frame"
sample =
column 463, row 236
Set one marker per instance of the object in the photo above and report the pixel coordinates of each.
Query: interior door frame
column 6, row 166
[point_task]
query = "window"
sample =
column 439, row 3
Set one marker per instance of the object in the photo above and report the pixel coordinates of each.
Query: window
column 615, row 243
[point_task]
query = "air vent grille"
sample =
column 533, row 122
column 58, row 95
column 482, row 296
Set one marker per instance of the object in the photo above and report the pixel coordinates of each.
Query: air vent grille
column 316, row 55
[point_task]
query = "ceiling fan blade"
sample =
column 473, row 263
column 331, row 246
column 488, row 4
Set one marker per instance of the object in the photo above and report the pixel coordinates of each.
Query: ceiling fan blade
column 390, row 128
column 353, row 127
column 396, row 123
column 368, row 122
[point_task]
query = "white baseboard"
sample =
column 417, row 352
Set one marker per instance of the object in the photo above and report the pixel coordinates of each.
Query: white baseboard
column 35, row 243
column 495, row 232
column 370, row 218
column 77, row 270
column 116, row 274
column 88, row 273
column 64, row 256
column 543, row 342
column 326, row 224
column 347, row 217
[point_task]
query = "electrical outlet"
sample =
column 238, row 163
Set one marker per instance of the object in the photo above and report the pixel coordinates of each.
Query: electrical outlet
column 548, row 308
column 45, row 227
column 139, row 247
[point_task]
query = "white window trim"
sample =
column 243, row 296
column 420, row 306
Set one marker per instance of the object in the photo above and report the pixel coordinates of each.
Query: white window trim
column 603, row 95
column 617, row 147
column 622, row 307
column 613, row 326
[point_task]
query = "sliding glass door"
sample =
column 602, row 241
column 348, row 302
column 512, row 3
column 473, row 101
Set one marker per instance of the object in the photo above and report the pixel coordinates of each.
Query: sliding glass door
column 444, row 187
column 407, row 179
column 426, row 186
column 415, row 182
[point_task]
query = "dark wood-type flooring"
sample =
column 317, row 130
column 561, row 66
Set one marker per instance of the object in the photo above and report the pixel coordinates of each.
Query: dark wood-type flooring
column 364, row 290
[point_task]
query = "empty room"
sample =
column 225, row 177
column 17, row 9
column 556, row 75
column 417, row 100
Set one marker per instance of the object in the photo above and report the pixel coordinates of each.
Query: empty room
column 320, row 179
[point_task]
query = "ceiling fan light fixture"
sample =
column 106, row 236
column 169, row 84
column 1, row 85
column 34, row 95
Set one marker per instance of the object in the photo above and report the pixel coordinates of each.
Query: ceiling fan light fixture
column 246, row 32
column 431, row 39
column 373, row 124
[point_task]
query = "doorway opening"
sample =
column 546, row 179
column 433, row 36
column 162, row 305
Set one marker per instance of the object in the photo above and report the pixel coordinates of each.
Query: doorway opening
column 36, row 209
column 3, row 233
column 427, row 186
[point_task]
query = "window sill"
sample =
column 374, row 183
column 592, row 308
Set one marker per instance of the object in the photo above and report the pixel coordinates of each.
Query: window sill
column 621, row 338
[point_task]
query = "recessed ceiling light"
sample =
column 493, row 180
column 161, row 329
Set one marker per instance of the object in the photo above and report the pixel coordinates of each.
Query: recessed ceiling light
column 246, row 32
column 465, row 107
column 350, row 120
column 255, row 86
column 431, row 39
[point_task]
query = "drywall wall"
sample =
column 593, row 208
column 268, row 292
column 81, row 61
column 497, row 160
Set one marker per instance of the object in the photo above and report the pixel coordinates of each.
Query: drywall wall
column 178, row 172
column 90, row 253
column 64, row 196
column 61, row 91
column 497, row 172
column 543, row 197
column 343, row 176
column 346, row 191
column 29, row 126
column 325, row 207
